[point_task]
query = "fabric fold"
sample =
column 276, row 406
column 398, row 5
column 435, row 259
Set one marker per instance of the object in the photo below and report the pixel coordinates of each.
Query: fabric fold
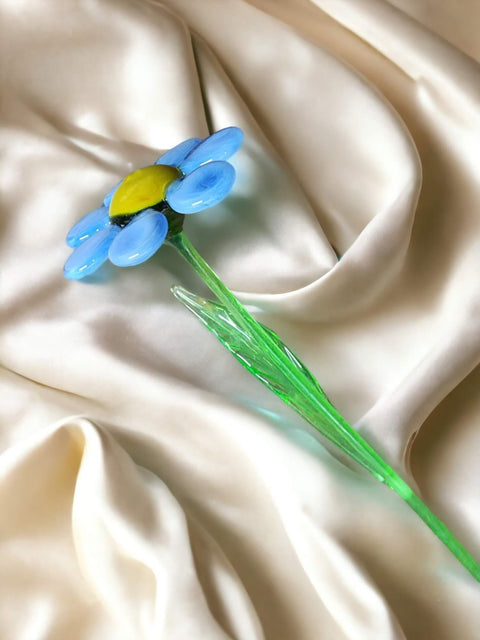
column 187, row 502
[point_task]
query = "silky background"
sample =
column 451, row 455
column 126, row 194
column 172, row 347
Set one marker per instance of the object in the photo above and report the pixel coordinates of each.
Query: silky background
column 149, row 488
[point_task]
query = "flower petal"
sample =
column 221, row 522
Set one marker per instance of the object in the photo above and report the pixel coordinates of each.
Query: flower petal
column 219, row 146
column 91, row 254
column 140, row 239
column 204, row 187
column 176, row 154
column 87, row 226
column 108, row 198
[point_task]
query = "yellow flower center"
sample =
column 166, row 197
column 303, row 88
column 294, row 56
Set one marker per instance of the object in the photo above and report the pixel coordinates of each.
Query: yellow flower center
column 141, row 189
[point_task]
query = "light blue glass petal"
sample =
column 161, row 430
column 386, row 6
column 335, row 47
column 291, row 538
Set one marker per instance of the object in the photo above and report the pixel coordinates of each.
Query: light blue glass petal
column 202, row 188
column 175, row 155
column 87, row 226
column 219, row 146
column 140, row 239
column 108, row 198
column 91, row 254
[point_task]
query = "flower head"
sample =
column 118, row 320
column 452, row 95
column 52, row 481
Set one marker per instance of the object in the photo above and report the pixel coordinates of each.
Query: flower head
column 134, row 219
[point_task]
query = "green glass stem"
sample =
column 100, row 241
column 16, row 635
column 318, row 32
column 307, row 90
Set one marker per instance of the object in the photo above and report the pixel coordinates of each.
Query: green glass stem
column 263, row 353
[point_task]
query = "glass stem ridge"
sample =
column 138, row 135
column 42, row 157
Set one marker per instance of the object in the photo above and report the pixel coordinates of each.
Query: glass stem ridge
column 263, row 353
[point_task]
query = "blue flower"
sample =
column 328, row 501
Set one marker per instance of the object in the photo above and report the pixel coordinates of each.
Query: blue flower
column 133, row 221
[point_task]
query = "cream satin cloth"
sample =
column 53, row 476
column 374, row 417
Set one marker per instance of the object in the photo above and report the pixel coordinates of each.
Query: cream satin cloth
column 150, row 489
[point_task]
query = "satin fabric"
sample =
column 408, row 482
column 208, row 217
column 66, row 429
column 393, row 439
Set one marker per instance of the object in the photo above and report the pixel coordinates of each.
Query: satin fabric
column 149, row 487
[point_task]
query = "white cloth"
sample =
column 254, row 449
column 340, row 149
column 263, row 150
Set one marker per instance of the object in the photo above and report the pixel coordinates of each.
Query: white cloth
column 149, row 488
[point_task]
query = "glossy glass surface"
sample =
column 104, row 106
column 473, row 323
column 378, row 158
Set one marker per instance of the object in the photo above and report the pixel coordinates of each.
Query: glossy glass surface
column 204, row 187
column 91, row 254
column 141, row 189
column 87, row 226
column 219, row 146
column 139, row 240
column 175, row 155
column 127, row 230
column 264, row 355
column 108, row 198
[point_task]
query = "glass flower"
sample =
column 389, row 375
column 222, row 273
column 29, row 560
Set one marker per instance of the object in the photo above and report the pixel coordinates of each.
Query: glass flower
column 133, row 221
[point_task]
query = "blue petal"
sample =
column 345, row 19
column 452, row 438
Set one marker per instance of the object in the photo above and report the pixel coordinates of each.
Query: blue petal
column 91, row 254
column 202, row 188
column 219, row 146
column 175, row 155
column 87, row 226
column 108, row 198
column 140, row 239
